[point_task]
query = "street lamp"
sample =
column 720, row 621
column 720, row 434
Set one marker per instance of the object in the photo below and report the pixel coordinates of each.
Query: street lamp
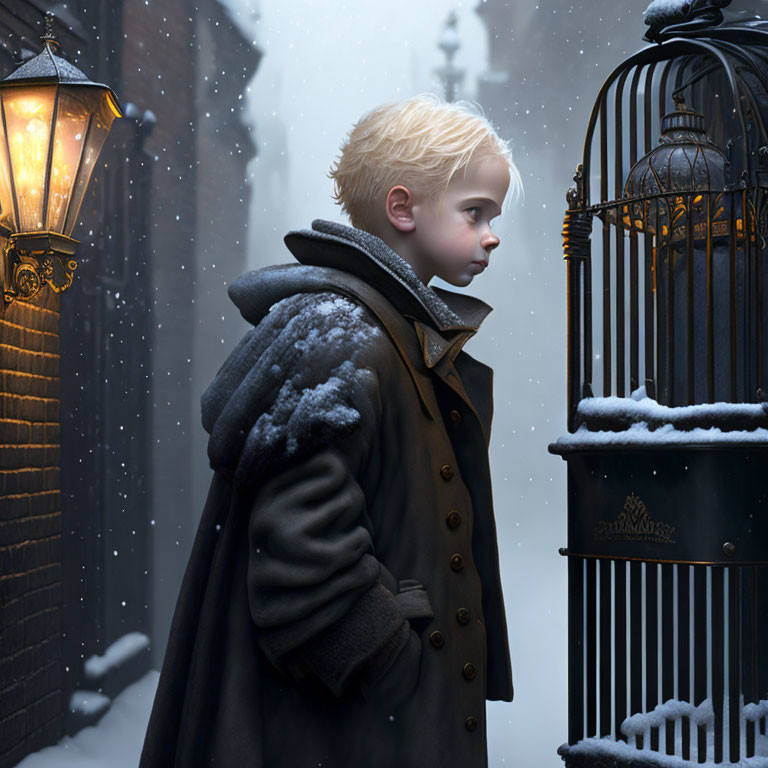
column 53, row 124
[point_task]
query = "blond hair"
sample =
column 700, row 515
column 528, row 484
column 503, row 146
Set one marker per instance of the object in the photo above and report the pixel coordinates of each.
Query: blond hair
column 421, row 143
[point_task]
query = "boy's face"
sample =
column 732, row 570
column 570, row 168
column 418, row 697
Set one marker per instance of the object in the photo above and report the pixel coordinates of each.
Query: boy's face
column 452, row 236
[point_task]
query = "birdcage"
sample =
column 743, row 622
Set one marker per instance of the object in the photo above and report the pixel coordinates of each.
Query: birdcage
column 665, row 247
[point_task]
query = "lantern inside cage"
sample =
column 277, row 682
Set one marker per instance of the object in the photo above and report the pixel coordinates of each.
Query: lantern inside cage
column 54, row 122
column 678, row 195
column 665, row 244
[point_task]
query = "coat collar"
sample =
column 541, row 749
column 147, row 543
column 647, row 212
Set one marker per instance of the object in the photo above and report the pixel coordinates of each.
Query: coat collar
column 444, row 320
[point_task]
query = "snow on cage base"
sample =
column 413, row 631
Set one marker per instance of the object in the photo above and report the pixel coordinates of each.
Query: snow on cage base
column 703, row 714
column 597, row 752
column 606, row 752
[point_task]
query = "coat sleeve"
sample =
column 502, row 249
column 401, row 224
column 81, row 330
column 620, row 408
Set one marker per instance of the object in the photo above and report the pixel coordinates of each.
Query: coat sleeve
column 322, row 603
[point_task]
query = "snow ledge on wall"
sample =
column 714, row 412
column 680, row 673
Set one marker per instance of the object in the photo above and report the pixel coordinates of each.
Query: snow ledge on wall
column 117, row 654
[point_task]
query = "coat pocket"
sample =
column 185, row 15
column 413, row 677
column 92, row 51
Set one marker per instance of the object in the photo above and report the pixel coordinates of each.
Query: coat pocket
column 413, row 601
column 392, row 686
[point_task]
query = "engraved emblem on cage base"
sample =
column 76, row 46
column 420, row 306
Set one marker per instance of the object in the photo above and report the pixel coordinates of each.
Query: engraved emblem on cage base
column 634, row 523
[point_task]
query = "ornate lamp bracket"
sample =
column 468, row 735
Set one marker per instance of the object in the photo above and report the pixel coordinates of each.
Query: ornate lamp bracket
column 32, row 260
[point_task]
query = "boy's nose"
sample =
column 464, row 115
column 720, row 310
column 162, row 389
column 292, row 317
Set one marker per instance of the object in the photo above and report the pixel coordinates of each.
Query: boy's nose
column 489, row 241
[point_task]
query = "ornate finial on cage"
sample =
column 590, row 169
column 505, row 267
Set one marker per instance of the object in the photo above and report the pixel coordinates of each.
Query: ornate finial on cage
column 575, row 195
column 682, row 118
column 577, row 226
column 681, row 18
column 48, row 38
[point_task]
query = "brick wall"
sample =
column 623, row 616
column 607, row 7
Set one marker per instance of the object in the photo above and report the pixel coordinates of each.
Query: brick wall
column 30, row 528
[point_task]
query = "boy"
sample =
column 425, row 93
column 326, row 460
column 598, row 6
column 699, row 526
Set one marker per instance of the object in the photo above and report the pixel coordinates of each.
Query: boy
column 342, row 605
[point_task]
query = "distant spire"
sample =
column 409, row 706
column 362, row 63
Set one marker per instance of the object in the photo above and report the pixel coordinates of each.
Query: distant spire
column 449, row 42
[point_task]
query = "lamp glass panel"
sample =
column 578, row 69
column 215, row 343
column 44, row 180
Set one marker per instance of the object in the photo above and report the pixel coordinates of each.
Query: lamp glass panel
column 28, row 111
column 101, row 123
column 72, row 118
column 7, row 216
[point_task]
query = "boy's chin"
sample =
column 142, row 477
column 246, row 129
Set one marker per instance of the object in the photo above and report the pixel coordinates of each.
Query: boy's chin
column 459, row 281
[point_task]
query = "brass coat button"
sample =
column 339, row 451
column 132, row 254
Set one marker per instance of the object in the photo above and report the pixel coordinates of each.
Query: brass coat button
column 455, row 417
column 457, row 562
column 470, row 723
column 463, row 616
column 453, row 519
column 469, row 671
column 437, row 638
column 446, row 472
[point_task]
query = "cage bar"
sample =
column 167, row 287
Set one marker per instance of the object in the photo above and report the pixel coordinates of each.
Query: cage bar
column 590, row 590
column 620, row 645
column 684, row 691
column 606, row 656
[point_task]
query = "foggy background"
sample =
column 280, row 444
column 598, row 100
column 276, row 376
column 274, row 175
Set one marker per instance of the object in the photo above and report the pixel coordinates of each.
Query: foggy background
column 323, row 67
column 235, row 111
column 326, row 64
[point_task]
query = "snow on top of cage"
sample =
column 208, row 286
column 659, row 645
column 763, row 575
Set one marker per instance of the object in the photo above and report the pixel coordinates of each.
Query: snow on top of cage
column 663, row 9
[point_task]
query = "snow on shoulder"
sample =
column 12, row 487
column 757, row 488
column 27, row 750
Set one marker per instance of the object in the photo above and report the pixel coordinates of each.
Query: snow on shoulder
column 318, row 364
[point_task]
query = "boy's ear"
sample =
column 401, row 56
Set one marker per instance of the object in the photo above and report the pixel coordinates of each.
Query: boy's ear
column 399, row 208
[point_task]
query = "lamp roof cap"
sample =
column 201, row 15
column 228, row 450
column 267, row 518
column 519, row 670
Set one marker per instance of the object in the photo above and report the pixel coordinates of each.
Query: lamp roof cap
column 48, row 68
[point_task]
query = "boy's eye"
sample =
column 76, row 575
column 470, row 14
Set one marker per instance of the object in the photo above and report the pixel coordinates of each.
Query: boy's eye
column 474, row 212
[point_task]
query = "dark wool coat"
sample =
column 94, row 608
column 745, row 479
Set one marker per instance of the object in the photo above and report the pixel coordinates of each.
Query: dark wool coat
column 342, row 605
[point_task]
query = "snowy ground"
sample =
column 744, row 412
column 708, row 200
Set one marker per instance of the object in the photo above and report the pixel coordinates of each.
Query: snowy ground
column 114, row 742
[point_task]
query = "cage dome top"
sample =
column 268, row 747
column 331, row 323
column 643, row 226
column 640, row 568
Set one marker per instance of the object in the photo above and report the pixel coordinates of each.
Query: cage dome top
column 685, row 159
